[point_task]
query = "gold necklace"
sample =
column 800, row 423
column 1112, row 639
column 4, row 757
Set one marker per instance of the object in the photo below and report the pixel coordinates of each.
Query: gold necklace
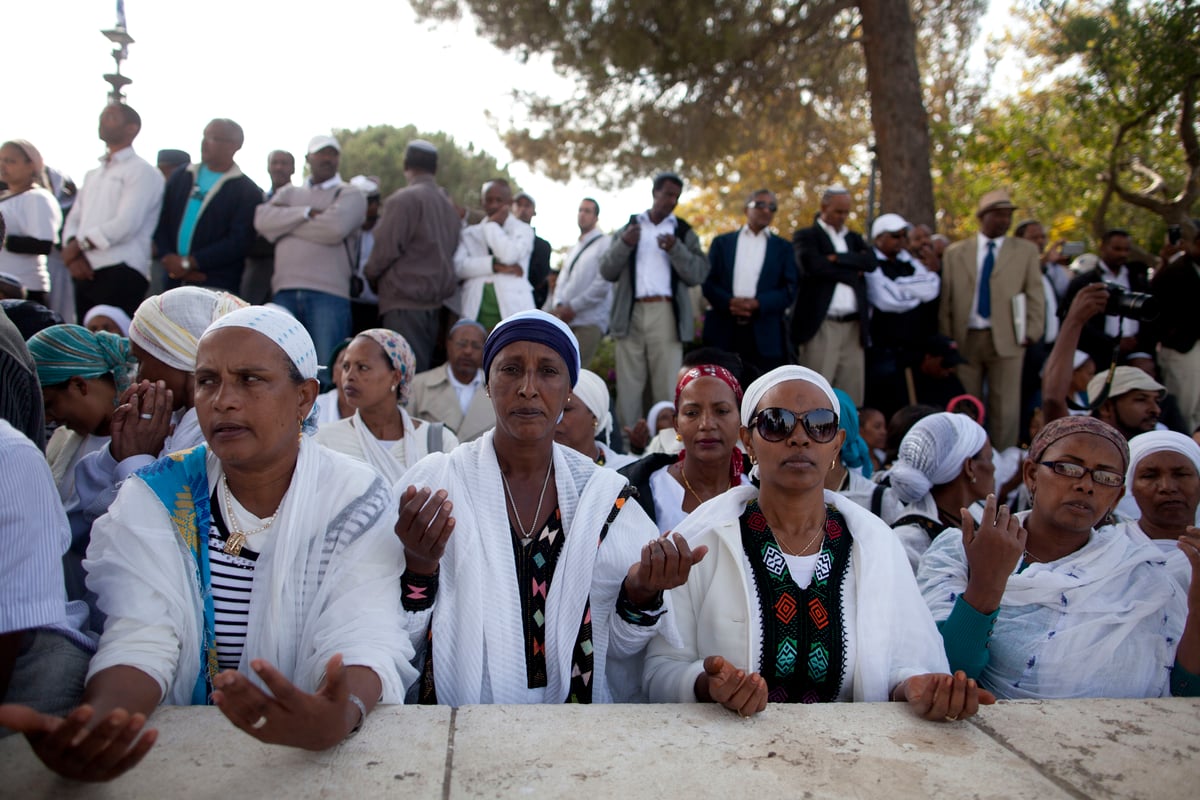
column 527, row 536
column 237, row 536
column 688, row 484
column 820, row 532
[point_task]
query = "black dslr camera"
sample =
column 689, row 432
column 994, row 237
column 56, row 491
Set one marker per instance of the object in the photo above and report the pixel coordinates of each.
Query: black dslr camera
column 1130, row 305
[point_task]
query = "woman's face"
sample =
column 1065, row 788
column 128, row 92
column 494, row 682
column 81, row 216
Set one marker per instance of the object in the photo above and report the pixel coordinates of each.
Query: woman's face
column 529, row 384
column 84, row 405
column 873, row 429
column 100, row 323
column 664, row 420
column 1082, row 374
column 368, row 379
column 249, row 408
column 15, row 168
column 1074, row 505
column 577, row 428
column 152, row 369
column 707, row 419
column 798, row 462
column 1167, row 489
column 983, row 470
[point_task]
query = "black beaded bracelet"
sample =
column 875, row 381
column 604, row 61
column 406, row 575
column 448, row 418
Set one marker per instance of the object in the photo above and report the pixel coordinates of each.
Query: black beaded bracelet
column 641, row 617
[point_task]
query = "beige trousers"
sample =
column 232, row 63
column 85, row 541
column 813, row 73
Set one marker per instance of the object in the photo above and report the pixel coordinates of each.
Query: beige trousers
column 1002, row 377
column 589, row 337
column 648, row 360
column 836, row 352
column 1181, row 376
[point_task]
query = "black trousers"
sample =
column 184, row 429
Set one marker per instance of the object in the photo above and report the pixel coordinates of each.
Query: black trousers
column 117, row 285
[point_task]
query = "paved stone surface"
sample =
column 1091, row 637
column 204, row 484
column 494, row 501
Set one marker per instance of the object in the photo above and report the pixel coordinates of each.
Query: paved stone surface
column 1107, row 748
column 1045, row 750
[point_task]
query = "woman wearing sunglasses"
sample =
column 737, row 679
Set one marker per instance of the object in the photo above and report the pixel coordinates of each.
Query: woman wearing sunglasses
column 804, row 596
column 670, row 487
column 1042, row 604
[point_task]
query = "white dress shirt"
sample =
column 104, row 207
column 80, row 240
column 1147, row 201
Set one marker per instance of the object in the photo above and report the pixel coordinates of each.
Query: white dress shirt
column 897, row 295
column 465, row 391
column 580, row 286
column 653, row 263
column 748, row 261
column 844, row 300
column 974, row 321
column 117, row 211
column 1117, row 327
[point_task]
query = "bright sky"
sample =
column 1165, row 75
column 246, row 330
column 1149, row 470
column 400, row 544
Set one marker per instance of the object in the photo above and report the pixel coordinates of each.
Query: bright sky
column 285, row 71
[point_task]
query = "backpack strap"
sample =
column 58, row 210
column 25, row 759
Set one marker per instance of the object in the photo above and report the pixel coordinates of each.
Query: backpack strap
column 931, row 527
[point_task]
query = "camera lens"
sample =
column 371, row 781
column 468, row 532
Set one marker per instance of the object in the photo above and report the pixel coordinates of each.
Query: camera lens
column 1131, row 305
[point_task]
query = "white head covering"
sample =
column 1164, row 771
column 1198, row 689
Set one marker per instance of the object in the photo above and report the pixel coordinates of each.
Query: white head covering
column 779, row 375
column 117, row 315
column 655, row 410
column 1078, row 359
column 932, row 453
column 282, row 329
column 1147, row 444
column 168, row 326
column 593, row 391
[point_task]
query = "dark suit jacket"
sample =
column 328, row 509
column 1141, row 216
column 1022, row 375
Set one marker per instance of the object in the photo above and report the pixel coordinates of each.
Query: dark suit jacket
column 1093, row 340
column 539, row 270
column 1176, row 287
column 224, row 230
column 776, row 291
column 819, row 276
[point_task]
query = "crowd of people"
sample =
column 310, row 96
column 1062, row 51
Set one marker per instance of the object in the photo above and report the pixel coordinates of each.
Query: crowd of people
column 265, row 470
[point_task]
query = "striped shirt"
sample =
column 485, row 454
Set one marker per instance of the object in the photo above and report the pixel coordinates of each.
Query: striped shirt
column 33, row 537
column 232, row 578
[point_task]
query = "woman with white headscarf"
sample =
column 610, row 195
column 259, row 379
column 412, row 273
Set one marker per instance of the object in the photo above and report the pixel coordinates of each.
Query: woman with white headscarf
column 258, row 573
column 376, row 370
column 528, row 577
column 804, row 596
column 586, row 421
column 943, row 466
column 1162, row 499
column 156, row 416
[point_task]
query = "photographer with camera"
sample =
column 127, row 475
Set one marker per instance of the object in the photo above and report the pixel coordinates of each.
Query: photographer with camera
column 1119, row 325
column 1176, row 286
column 1125, row 397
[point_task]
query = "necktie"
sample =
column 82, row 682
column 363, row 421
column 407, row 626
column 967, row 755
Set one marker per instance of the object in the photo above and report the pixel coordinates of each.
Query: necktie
column 985, row 282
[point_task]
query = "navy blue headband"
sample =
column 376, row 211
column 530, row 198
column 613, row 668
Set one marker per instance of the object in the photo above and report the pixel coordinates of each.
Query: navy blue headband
column 522, row 328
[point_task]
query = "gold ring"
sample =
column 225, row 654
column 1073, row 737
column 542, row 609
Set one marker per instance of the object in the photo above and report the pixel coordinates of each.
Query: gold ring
column 261, row 721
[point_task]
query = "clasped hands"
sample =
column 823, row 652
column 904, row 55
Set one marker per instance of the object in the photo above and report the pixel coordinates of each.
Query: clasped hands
column 141, row 423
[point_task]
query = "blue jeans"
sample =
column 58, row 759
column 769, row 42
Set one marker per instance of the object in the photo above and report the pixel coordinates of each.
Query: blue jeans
column 327, row 319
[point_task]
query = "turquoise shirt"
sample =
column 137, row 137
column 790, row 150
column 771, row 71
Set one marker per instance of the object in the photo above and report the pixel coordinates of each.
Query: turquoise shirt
column 205, row 180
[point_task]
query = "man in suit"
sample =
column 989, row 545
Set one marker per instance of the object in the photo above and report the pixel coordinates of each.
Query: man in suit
column 751, row 283
column 1176, row 286
column 1104, row 333
column 982, row 279
column 452, row 393
column 829, row 322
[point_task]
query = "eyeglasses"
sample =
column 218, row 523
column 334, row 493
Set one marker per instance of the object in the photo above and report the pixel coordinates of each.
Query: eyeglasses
column 763, row 204
column 897, row 234
column 1101, row 477
column 776, row 424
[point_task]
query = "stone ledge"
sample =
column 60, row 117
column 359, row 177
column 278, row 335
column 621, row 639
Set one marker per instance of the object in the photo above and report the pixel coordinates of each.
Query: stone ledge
column 1060, row 749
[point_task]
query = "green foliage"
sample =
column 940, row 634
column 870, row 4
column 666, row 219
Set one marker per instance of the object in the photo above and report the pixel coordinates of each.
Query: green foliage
column 379, row 150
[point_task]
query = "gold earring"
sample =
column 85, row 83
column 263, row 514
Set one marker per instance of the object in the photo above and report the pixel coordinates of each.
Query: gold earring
column 679, row 437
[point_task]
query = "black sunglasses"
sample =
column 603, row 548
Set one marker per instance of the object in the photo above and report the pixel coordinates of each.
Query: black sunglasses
column 776, row 424
column 763, row 204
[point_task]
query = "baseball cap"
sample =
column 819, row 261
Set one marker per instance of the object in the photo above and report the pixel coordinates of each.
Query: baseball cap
column 321, row 141
column 1125, row 380
column 888, row 223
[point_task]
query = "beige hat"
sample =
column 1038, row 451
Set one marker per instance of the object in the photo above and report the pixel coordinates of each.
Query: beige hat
column 997, row 198
column 1125, row 380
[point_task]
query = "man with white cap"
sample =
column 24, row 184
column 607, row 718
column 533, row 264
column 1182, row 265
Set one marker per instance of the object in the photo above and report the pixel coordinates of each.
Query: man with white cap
column 903, row 295
column 993, row 305
column 412, row 263
column 312, row 227
column 1131, row 401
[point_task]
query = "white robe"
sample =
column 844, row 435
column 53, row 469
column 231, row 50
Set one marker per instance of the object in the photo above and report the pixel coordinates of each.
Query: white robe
column 1101, row 622
column 1177, row 563
column 478, row 638
column 389, row 459
column 890, row 634
column 327, row 581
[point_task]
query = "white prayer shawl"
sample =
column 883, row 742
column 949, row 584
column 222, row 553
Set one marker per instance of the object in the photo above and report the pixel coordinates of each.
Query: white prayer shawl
column 478, row 638
column 390, row 459
column 327, row 581
column 1177, row 563
column 1102, row 622
column 717, row 611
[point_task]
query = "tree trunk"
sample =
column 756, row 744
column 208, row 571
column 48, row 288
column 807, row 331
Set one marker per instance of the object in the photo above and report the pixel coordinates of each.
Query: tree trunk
column 898, row 115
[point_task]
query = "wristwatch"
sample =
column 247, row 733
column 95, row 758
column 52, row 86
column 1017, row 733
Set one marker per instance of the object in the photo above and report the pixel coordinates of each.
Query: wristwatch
column 185, row 263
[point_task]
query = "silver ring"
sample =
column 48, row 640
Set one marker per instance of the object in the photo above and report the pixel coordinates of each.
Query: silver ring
column 949, row 718
column 146, row 416
column 261, row 721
